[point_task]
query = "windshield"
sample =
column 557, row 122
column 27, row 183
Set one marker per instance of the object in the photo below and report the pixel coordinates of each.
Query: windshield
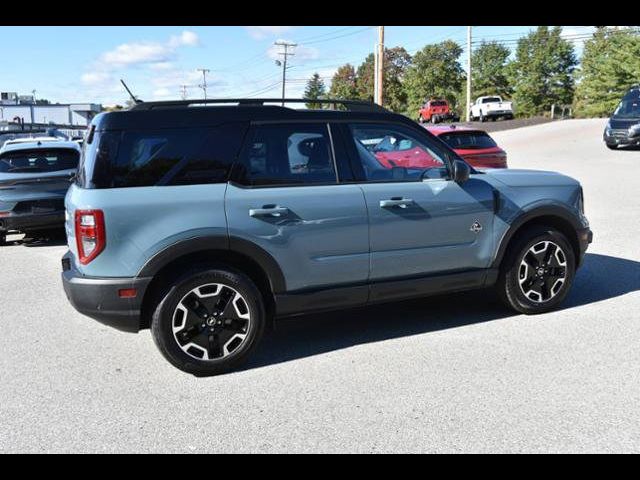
column 39, row 161
column 628, row 108
column 468, row 140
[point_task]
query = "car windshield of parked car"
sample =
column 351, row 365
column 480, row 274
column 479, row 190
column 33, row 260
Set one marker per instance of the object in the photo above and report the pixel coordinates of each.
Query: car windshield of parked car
column 628, row 108
column 468, row 140
column 39, row 161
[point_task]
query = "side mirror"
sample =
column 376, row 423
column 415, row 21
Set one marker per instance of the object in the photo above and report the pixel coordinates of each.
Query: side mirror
column 461, row 171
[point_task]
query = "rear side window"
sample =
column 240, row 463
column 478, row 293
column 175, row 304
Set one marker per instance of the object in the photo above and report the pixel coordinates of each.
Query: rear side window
column 287, row 155
column 144, row 158
column 39, row 161
column 468, row 140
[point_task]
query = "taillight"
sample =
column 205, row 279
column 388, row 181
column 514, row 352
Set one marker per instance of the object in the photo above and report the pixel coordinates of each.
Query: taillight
column 91, row 237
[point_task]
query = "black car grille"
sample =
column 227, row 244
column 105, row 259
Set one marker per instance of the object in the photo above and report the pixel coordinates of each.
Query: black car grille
column 39, row 206
column 621, row 134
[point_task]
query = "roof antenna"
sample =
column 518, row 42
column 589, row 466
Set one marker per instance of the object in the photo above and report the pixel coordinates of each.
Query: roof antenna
column 133, row 97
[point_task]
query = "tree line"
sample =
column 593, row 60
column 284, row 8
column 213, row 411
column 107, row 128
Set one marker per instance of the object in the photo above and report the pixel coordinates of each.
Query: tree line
column 544, row 70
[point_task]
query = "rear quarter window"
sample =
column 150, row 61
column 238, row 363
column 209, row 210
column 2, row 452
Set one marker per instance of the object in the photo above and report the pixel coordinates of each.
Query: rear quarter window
column 143, row 158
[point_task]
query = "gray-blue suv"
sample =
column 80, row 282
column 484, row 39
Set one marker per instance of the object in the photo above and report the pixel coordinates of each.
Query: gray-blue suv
column 206, row 220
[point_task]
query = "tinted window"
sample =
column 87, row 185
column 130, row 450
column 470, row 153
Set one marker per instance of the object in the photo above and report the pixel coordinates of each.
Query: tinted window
column 37, row 161
column 288, row 155
column 468, row 140
column 395, row 153
column 162, row 157
column 629, row 108
column 491, row 100
column 438, row 103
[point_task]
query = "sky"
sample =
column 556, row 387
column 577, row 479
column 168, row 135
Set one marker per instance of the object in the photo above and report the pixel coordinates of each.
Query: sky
column 84, row 64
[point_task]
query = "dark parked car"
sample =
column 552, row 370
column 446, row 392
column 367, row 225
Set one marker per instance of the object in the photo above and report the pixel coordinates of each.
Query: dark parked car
column 34, row 178
column 623, row 128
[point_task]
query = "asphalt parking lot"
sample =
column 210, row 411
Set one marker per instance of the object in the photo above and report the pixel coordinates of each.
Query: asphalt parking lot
column 449, row 374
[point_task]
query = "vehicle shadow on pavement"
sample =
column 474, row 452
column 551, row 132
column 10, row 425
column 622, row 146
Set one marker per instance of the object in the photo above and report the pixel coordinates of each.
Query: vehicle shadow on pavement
column 600, row 278
column 316, row 334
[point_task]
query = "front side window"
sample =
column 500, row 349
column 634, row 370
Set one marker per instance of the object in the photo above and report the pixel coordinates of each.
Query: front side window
column 39, row 161
column 395, row 153
column 287, row 155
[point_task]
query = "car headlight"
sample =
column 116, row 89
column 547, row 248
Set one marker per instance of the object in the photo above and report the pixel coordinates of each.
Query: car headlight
column 634, row 131
column 607, row 129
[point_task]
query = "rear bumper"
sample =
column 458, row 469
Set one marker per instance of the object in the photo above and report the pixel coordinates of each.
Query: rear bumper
column 99, row 298
column 30, row 222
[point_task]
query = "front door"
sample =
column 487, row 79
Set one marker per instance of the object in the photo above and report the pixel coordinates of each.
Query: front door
column 421, row 222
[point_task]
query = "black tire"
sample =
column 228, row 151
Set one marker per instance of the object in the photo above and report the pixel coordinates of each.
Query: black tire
column 420, row 119
column 434, row 120
column 163, row 321
column 509, row 281
column 3, row 239
column 482, row 118
column 612, row 146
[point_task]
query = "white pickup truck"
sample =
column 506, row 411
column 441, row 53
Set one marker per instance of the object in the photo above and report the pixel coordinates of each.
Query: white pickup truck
column 491, row 108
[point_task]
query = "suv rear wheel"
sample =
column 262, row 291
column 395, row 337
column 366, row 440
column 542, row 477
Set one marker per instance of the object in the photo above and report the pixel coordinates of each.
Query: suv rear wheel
column 3, row 239
column 538, row 271
column 209, row 321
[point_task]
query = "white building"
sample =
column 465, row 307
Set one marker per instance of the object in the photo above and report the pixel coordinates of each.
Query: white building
column 78, row 115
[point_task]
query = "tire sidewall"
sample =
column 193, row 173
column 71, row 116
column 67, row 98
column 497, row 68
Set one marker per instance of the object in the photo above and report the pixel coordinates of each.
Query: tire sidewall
column 162, row 321
column 510, row 287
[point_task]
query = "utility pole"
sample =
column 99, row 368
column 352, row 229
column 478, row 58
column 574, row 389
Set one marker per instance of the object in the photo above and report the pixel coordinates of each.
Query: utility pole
column 380, row 67
column 285, row 54
column 183, row 92
column 204, row 80
column 468, row 106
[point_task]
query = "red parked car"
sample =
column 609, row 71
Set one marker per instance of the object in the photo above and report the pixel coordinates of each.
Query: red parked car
column 435, row 111
column 475, row 146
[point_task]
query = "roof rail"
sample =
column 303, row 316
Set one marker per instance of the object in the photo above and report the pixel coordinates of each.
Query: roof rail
column 351, row 105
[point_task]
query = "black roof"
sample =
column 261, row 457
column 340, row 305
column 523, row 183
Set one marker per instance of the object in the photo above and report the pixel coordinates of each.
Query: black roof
column 191, row 113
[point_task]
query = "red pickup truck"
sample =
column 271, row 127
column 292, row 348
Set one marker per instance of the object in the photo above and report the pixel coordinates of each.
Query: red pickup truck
column 435, row 111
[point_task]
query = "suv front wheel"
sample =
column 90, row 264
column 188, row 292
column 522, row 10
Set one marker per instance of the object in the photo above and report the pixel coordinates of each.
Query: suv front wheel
column 209, row 321
column 538, row 271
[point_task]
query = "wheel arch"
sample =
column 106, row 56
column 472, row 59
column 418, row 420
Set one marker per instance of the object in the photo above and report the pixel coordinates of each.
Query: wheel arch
column 552, row 216
column 235, row 253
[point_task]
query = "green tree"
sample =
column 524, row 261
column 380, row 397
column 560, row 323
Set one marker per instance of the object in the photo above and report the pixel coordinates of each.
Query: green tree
column 610, row 65
column 489, row 73
column 435, row 73
column 315, row 90
column 396, row 62
column 343, row 83
column 542, row 72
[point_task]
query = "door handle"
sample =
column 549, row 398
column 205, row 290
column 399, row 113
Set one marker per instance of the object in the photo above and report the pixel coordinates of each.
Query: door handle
column 396, row 202
column 268, row 212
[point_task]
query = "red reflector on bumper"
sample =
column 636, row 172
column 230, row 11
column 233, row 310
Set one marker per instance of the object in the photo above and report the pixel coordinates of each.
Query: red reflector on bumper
column 128, row 293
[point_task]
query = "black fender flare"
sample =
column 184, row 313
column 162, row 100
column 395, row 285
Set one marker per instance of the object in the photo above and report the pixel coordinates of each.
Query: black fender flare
column 560, row 212
column 217, row 242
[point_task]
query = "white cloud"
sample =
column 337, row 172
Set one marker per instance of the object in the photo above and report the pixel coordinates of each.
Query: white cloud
column 185, row 39
column 161, row 66
column 162, row 93
column 300, row 52
column 260, row 33
column 95, row 78
column 148, row 52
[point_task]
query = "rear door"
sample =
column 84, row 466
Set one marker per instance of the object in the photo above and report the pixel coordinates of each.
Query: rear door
column 287, row 198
